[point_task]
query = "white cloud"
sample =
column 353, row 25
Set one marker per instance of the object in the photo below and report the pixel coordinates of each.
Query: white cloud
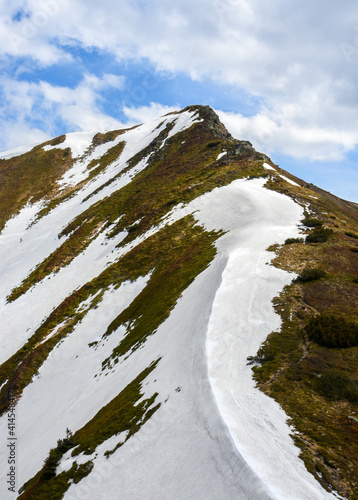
column 144, row 114
column 300, row 59
column 272, row 132
column 29, row 104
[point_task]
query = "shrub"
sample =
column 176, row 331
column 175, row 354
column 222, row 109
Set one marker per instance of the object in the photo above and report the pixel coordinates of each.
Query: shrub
column 319, row 235
column 332, row 331
column 289, row 241
column 354, row 249
column 213, row 144
column 133, row 228
column 264, row 354
column 55, row 456
column 312, row 274
column 337, row 385
column 57, row 140
column 352, row 235
column 311, row 222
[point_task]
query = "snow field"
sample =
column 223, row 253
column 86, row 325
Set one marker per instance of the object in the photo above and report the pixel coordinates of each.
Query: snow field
column 215, row 435
column 254, row 456
column 22, row 247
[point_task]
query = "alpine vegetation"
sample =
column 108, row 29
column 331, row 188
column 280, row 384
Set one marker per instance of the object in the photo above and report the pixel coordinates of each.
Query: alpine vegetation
column 178, row 320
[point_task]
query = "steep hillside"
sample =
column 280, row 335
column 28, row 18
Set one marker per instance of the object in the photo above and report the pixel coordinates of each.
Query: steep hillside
column 138, row 269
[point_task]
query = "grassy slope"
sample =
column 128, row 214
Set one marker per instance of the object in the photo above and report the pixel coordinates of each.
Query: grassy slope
column 31, row 176
column 181, row 169
column 123, row 414
column 179, row 172
column 290, row 365
column 174, row 256
column 317, row 386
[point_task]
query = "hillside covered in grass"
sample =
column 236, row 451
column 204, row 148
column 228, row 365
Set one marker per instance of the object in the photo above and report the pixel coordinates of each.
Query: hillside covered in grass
column 169, row 298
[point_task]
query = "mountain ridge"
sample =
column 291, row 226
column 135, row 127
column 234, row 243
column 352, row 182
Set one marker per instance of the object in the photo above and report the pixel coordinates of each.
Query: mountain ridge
column 154, row 209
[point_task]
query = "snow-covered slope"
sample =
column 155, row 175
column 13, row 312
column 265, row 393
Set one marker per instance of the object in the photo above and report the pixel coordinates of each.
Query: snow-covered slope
column 129, row 308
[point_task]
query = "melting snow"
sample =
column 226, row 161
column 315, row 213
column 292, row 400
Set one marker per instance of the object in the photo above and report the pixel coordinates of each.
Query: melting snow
column 78, row 142
column 266, row 165
column 215, row 435
column 289, row 180
column 11, row 153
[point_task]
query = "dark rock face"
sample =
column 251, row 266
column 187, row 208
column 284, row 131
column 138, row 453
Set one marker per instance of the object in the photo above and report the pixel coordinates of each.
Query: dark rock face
column 212, row 121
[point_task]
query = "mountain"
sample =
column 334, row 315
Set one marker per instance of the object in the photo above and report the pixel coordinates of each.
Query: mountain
column 178, row 320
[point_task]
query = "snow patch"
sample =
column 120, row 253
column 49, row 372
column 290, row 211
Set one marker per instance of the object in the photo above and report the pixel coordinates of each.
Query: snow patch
column 74, row 393
column 78, row 142
column 11, row 153
column 266, row 165
column 289, row 180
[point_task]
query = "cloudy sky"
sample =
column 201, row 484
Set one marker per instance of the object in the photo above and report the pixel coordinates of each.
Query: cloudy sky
column 280, row 73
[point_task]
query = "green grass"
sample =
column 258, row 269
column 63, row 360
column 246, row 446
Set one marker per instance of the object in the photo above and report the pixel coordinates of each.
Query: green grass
column 174, row 256
column 190, row 251
column 337, row 385
column 176, row 173
column 351, row 234
column 310, row 274
column 290, row 241
column 332, row 331
column 123, row 414
column 316, row 385
column 312, row 222
column 319, row 235
column 31, row 176
column 97, row 166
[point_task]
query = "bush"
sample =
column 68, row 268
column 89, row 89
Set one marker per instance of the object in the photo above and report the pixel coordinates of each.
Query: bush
column 58, row 140
column 332, row 331
column 311, row 222
column 133, row 228
column 354, row 249
column 56, row 454
column 319, row 235
column 336, row 385
column 352, row 235
column 264, row 354
column 312, row 274
column 289, row 241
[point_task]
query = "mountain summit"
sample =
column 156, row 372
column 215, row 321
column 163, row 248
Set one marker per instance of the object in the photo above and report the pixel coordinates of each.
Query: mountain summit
column 178, row 320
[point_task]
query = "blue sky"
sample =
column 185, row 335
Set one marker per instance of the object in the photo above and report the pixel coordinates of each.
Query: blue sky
column 282, row 74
